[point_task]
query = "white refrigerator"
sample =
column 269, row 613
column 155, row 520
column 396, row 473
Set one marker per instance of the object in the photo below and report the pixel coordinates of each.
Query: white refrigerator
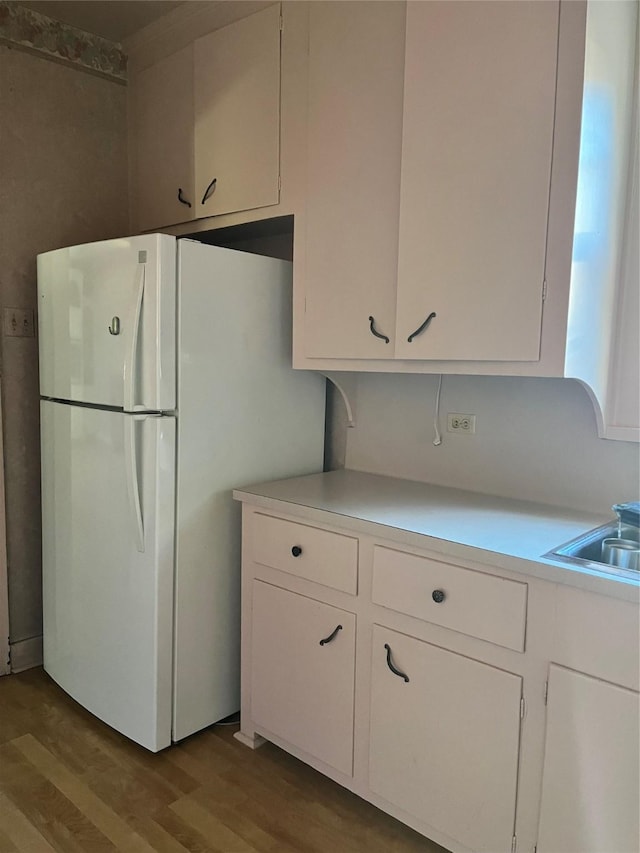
column 165, row 382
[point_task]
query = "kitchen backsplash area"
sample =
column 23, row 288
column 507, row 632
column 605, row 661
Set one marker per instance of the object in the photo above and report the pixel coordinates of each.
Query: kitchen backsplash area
column 535, row 439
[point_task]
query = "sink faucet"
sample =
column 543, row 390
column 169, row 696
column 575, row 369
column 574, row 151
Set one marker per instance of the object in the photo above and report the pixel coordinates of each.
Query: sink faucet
column 628, row 514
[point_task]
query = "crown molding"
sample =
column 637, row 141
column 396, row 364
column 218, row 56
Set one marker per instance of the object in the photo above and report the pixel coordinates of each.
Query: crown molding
column 182, row 26
column 38, row 33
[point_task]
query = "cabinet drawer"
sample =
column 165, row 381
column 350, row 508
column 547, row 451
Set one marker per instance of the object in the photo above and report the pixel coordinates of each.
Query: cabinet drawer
column 317, row 555
column 482, row 606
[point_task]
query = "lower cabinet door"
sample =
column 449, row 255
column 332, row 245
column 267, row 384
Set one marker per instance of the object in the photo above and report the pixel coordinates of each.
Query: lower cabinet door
column 303, row 673
column 444, row 739
column 590, row 783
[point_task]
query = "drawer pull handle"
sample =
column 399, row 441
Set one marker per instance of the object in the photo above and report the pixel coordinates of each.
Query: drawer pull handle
column 376, row 333
column 331, row 636
column 182, row 199
column 296, row 550
column 209, row 190
column 391, row 666
column 421, row 328
column 438, row 596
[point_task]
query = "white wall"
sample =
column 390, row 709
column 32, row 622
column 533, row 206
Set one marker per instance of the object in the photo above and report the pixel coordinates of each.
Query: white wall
column 63, row 180
column 535, row 439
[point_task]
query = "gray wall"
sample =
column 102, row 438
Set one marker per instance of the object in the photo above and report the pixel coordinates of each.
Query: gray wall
column 535, row 439
column 63, row 180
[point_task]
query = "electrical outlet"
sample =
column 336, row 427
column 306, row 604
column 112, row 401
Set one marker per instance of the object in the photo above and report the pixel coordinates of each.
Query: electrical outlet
column 465, row 424
column 18, row 322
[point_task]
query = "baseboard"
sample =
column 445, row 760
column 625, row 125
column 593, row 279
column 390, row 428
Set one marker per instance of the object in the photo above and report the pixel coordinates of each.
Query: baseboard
column 25, row 654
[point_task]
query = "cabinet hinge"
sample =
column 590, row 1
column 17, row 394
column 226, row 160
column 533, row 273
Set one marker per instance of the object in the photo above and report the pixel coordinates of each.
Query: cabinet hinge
column 522, row 708
column 513, row 844
column 546, row 691
column 544, row 290
column 281, row 23
column 279, row 182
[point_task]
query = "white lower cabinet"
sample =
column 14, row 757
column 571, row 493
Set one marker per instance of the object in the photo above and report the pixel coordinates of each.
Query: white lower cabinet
column 417, row 680
column 590, row 786
column 444, row 739
column 302, row 673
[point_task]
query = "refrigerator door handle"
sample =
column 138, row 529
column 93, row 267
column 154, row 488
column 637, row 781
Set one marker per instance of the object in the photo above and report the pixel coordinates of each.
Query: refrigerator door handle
column 131, row 359
column 133, row 488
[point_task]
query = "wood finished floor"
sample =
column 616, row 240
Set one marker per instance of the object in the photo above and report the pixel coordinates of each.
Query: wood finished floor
column 69, row 783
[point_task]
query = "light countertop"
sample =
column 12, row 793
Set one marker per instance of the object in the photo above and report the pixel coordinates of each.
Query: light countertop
column 502, row 532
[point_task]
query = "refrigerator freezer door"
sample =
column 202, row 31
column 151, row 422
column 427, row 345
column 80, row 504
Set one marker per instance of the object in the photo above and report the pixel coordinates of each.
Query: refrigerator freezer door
column 107, row 509
column 106, row 318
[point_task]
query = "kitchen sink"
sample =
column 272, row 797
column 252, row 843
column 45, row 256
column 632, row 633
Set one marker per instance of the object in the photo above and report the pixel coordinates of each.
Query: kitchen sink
column 587, row 550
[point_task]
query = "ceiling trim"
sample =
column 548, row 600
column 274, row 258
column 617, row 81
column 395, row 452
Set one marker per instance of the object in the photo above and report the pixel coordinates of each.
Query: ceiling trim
column 60, row 42
column 183, row 25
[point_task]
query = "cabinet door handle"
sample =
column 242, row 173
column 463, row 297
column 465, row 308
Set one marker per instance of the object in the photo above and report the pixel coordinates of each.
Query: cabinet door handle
column 209, row 190
column 438, row 596
column 393, row 669
column 296, row 550
column 331, row 636
column 181, row 199
column 374, row 332
column 421, row 328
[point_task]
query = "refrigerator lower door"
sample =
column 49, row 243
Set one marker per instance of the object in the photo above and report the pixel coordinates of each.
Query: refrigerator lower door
column 108, row 489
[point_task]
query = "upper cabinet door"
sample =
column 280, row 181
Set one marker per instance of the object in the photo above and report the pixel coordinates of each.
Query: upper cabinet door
column 479, row 99
column 237, row 110
column 163, row 121
column 354, row 138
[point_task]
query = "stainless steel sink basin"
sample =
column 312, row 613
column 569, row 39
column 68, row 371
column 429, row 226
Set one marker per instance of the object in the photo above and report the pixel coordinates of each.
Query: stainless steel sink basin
column 586, row 550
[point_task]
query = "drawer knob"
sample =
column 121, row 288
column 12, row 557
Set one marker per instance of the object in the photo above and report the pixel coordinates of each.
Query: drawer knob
column 438, row 596
column 296, row 550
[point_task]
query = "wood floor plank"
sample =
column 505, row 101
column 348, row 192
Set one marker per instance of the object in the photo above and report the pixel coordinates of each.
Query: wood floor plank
column 60, row 822
column 107, row 821
column 70, row 784
column 157, row 836
column 208, row 825
column 186, row 835
column 6, row 845
column 238, row 812
column 154, row 766
column 16, row 828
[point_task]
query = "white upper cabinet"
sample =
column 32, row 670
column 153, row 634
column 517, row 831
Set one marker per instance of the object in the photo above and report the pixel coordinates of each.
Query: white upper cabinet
column 163, row 153
column 429, row 185
column 354, row 139
column 206, row 124
column 479, row 101
column 237, row 109
column 472, row 195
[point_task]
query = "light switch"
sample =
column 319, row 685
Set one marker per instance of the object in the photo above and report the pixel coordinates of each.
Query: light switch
column 18, row 323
